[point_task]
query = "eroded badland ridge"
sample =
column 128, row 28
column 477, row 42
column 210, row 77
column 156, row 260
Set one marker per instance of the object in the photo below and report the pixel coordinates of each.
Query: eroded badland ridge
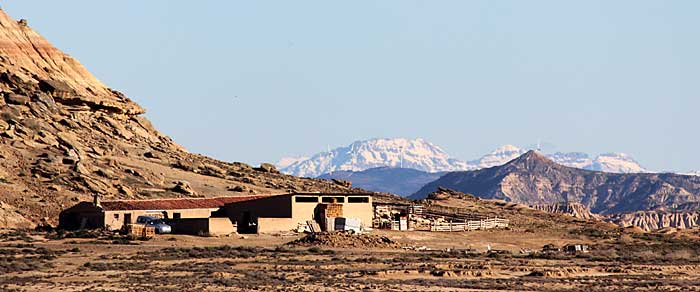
column 64, row 136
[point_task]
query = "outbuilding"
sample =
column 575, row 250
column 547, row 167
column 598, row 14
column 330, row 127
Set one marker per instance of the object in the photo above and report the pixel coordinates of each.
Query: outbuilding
column 181, row 212
column 289, row 211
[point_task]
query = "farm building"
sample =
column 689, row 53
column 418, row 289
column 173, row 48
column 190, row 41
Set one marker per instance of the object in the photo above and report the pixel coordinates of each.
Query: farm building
column 288, row 212
column 187, row 215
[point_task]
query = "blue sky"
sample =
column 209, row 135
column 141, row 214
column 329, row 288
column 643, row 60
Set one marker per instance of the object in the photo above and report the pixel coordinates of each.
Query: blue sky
column 254, row 81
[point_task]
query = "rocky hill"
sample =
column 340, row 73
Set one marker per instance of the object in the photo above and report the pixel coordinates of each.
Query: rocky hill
column 65, row 136
column 534, row 179
column 400, row 181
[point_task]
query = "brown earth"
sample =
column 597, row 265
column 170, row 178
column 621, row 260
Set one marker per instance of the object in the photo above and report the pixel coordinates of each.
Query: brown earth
column 453, row 262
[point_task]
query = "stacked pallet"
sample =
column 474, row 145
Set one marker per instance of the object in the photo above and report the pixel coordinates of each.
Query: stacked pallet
column 330, row 210
column 140, row 231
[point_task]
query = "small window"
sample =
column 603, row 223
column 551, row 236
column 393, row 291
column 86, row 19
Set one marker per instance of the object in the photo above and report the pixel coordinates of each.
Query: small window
column 306, row 199
column 358, row 199
column 177, row 216
column 333, row 199
column 116, row 216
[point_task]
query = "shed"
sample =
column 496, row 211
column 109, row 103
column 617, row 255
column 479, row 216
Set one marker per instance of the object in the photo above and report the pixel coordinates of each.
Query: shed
column 115, row 214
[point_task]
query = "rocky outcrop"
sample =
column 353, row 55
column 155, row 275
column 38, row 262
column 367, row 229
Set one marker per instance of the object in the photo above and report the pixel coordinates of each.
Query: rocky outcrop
column 30, row 63
column 576, row 210
column 653, row 220
column 533, row 179
column 65, row 136
column 10, row 217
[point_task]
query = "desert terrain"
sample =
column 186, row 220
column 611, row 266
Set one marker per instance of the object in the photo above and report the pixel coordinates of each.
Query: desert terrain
column 619, row 260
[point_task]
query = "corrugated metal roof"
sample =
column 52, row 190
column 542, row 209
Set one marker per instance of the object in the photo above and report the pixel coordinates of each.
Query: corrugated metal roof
column 174, row 204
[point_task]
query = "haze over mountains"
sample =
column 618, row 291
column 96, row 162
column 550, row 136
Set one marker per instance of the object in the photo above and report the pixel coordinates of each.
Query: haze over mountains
column 399, row 181
column 422, row 155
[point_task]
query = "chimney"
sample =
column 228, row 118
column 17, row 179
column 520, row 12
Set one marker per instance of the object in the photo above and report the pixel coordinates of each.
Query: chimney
column 96, row 200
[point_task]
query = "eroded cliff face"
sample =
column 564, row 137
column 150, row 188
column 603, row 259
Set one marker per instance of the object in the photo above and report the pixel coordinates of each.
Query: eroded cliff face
column 653, row 220
column 65, row 136
column 576, row 210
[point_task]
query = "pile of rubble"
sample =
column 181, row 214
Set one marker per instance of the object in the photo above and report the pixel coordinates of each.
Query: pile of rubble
column 346, row 239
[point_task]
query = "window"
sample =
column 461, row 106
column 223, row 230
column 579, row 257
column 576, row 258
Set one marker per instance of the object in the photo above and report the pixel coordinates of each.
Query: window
column 116, row 216
column 358, row 199
column 177, row 216
column 333, row 199
column 306, row 199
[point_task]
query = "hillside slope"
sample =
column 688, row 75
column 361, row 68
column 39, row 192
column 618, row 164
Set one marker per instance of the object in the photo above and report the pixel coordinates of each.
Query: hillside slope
column 522, row 218
column 533, row 179
column 65, row 136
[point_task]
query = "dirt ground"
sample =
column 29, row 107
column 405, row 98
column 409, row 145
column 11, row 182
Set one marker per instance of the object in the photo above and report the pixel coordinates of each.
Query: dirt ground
column 425, row 262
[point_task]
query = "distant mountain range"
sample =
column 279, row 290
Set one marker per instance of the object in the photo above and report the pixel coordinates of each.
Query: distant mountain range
column 400, row 181
column 535, row 179
column 422, row 155
column 417, row 154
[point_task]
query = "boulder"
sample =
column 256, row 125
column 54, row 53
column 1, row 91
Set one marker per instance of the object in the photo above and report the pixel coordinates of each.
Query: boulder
column 239, row 189
column 17, row 99
column 267, row 167
column 211, row 170
column 150, row 154
column 342, row 182
column 183, row 187
column 125, row 191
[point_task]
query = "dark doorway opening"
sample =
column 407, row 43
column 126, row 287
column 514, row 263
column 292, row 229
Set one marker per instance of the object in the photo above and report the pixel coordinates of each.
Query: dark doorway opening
column 248, row 224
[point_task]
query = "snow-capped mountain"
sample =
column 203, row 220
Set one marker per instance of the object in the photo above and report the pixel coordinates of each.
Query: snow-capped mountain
column 498, row 157
column 697, row 173
column 287, row 161
column 616, row 162
column 361, row 155
column 572, row 159
column 422, row 155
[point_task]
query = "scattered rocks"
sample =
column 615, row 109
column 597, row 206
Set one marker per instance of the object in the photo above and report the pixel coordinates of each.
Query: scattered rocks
column 133, row 172
column 346, row 239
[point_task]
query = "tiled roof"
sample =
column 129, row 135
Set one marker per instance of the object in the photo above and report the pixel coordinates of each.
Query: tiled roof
column 173, row 204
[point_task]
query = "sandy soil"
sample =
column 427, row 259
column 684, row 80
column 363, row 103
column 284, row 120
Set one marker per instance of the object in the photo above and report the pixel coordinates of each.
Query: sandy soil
column 267, row 263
